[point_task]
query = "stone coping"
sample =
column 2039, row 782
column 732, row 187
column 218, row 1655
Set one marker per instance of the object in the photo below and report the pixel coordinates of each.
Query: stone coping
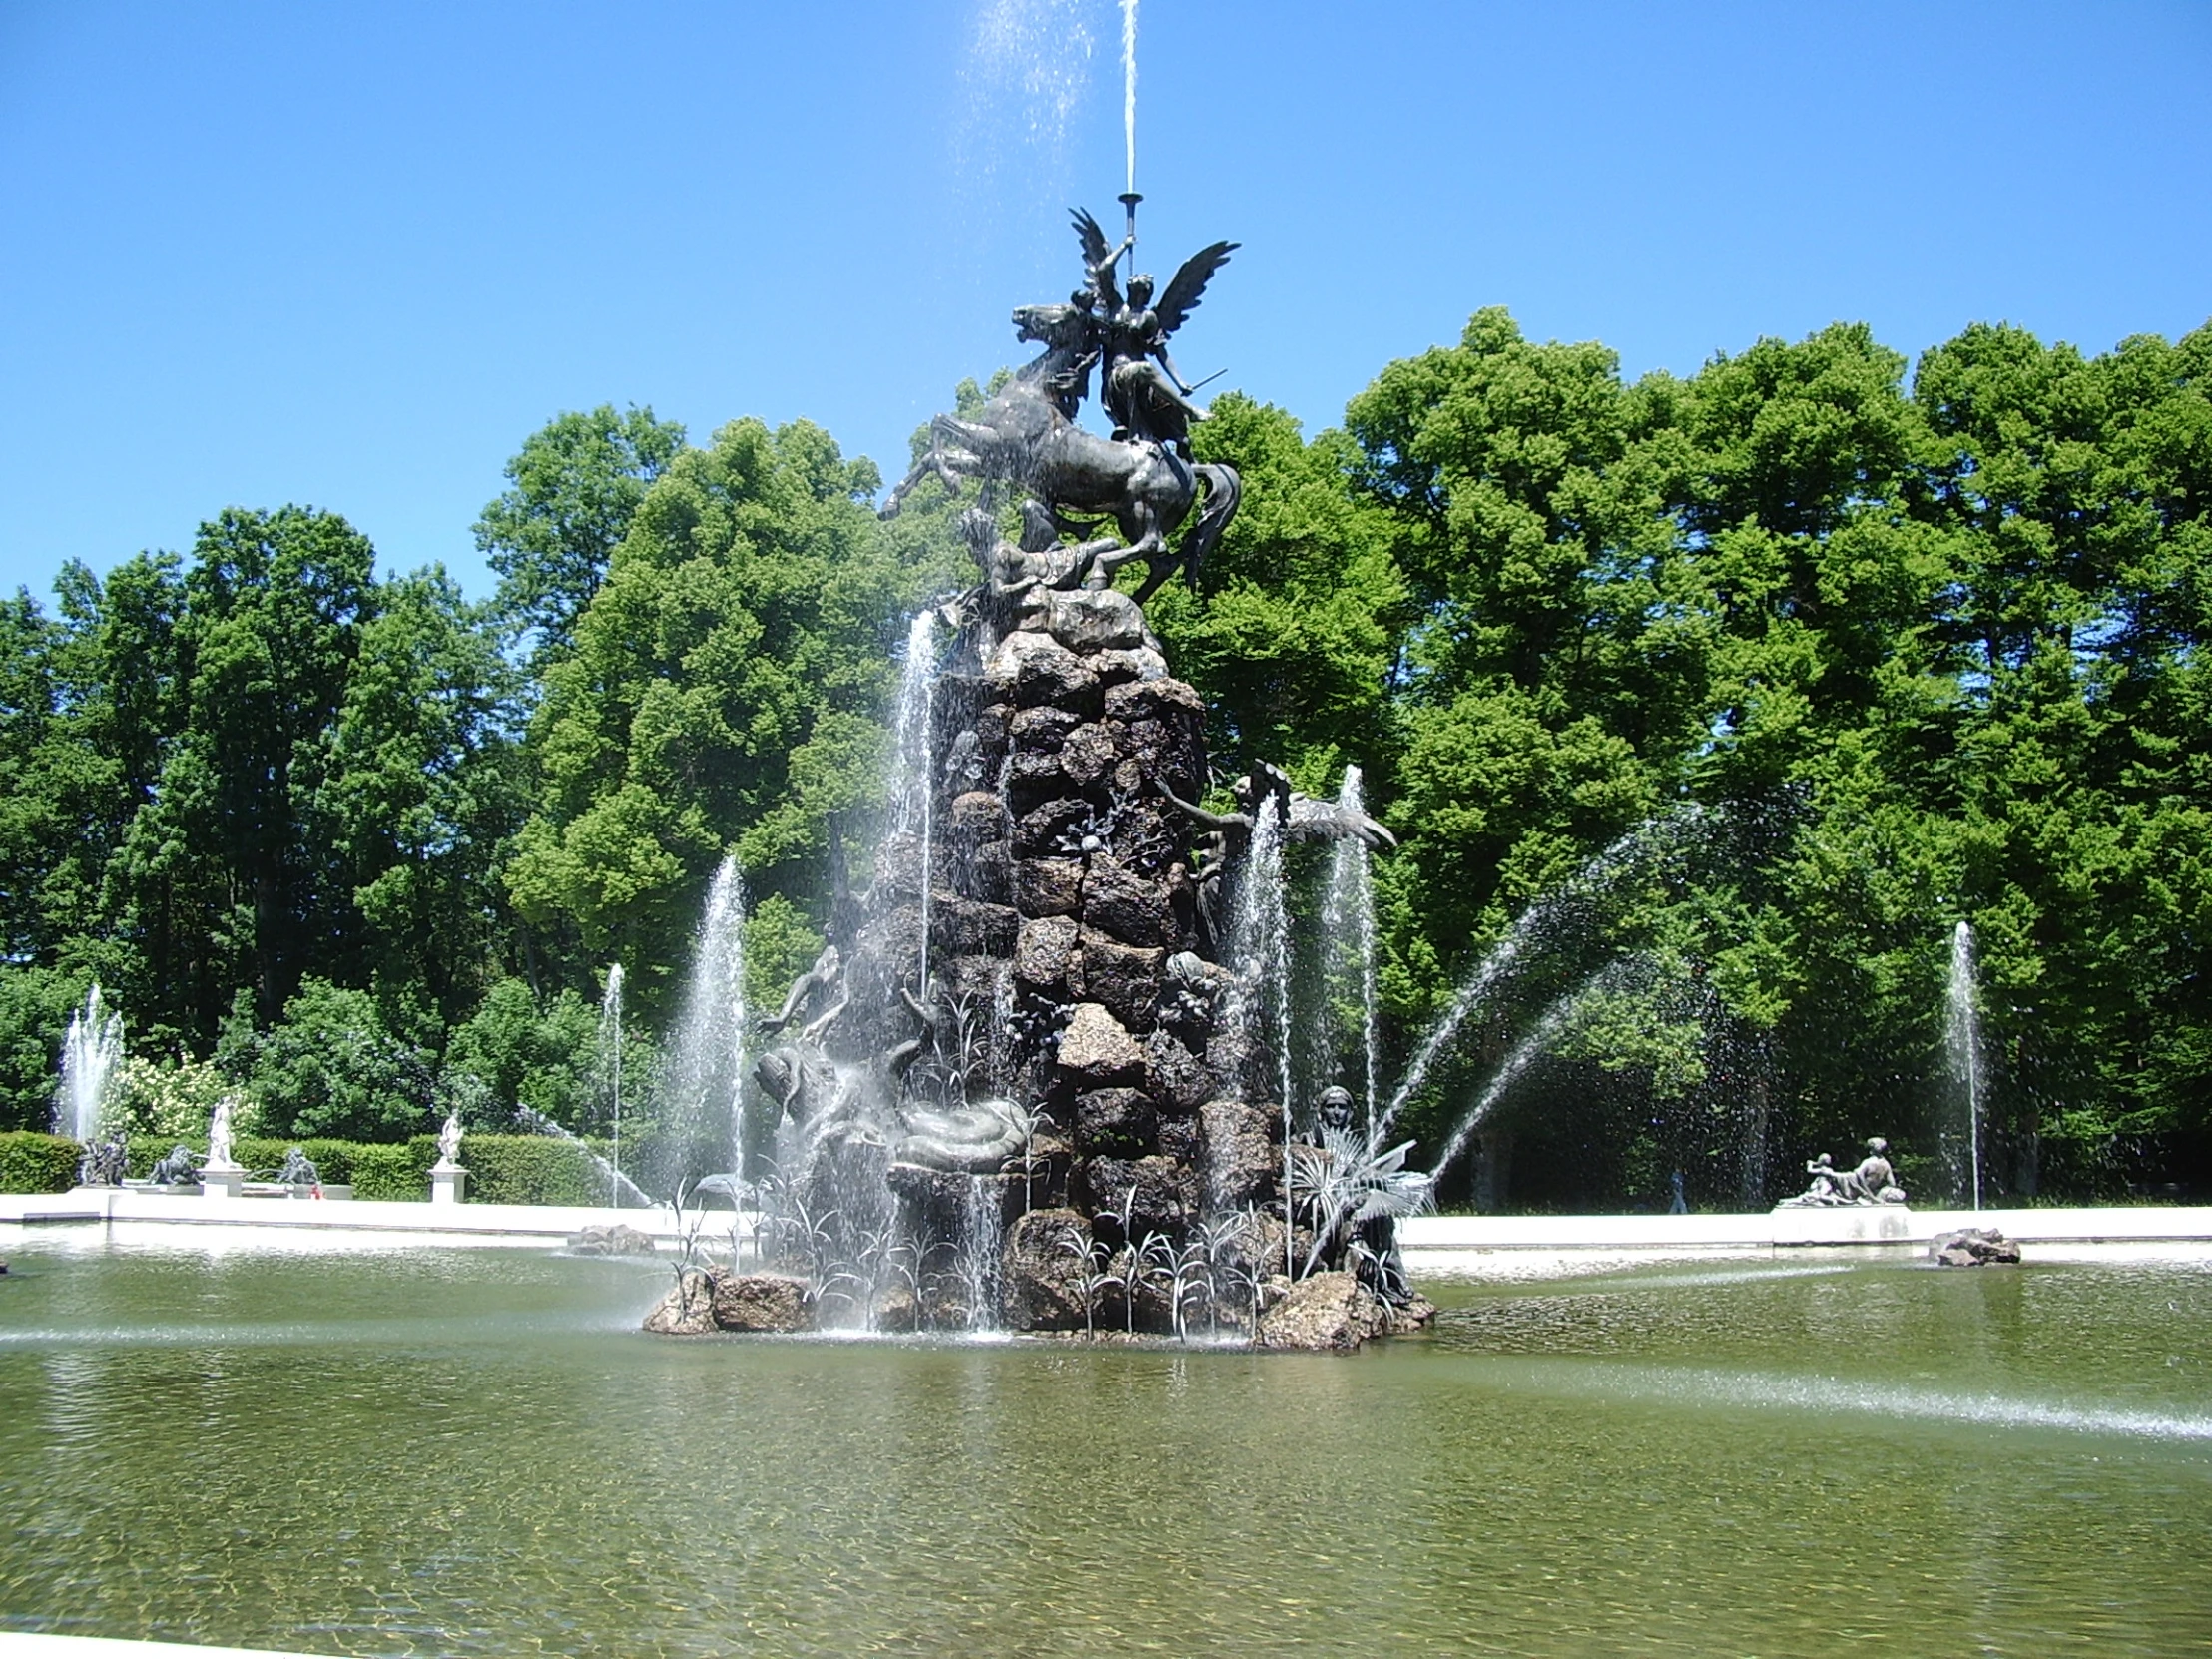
column 1882, row 1224
column 521, row 1224
column 25, row 1645
column 525, row 1223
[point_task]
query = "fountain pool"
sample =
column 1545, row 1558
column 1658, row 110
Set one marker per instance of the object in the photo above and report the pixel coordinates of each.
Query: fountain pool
column 475, row 1452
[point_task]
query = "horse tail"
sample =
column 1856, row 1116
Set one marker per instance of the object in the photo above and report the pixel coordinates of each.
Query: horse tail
column 1224, row 490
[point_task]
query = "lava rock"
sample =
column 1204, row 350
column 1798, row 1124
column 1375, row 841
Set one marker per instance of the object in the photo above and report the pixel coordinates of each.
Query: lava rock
column 1329, row 1312
column 985, row 872
column 1157, row 1194
column 1174, row 703
column 1090, row 620
column 1041, row 731
column 1048, row 886
column 1043, row 1270
column 1114, row 1121
column 967, row 927
column 1096, row 1050
column 1178, row 1138
column 1178, row 1078
column 1118, row 901
column 1042, row 952
column 1242, row 1162
column 1115, row 668
column 1044, row 672
column 1088, row 752
column 761, row 1301
column 1038, row 832
column 1123, row 978
column 620, row 1239
column 688, row 1309
column 976, row 818
column 1974, row 1247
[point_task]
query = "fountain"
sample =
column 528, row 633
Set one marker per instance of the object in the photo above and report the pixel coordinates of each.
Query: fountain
column 701, row 1109
column 88, row 1055
column 1962, row 1043
column 1052, row 1041
column 610, row 1069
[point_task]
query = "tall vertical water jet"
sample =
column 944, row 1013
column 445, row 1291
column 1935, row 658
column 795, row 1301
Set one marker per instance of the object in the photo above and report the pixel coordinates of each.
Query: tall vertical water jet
column 708, row 1062
column 1348, row 946
column 1259, row 959
column 610, row 1069
column 914, row 761
column 1129, row 87
column 1962, row 1042
column 89, row 1054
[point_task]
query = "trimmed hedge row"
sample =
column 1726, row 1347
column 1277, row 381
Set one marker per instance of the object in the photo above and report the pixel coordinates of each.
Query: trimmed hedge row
column 34, row 1162
column 503, row 1169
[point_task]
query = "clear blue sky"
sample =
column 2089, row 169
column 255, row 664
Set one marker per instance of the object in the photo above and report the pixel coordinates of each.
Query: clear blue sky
column 351, row 255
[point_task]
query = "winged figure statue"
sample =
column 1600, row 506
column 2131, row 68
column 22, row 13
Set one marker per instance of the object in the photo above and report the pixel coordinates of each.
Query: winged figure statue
column 1143, row 391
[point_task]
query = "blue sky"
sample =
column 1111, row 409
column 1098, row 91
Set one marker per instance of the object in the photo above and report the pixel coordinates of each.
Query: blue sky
column 351, row 255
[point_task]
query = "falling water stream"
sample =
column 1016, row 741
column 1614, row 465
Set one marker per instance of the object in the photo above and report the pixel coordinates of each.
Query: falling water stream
column 1962, row 1039
column 88, row 1055
column 610, row 1067
column 1129, row 86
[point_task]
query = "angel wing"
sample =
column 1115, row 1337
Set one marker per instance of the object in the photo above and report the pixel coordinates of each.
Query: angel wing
column 1182, row 294
column 1097, row 251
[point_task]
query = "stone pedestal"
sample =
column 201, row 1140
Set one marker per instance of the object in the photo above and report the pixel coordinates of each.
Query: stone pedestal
column 447, row 1183
column 227, row 1180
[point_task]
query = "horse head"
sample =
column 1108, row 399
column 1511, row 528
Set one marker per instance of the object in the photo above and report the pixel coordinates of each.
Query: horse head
column 1062, row 327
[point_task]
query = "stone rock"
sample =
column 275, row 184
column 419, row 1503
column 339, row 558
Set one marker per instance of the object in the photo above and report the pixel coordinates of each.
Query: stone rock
column 1115, row 668
column 970, row 927
column 1177, row 1138
column 895, row 1309
column 1178, row 1078
column 1330, row 1310
column 985, row 872
column 976, row 818
column 1096, row 1050
column 1043, row 671
column 1242, row 1162
column 1120, row 977
column 1035, row 775
column 1042, row 1275
column 1042, row 952
column 1088, row 752
column 1159, row 1195
column 1118, row 901
column 1114, row 1121
column 1089, row 620
column 688, row 1309
column 761, row 1301
column 1048, row 886
column 993, row 726
column 620, row 1239
column 1037, row 832
column 1173, row 701
column 1041, row 731
column 1974, row 1247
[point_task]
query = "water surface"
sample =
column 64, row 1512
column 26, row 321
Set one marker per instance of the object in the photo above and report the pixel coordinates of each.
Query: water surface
column 475, row 1452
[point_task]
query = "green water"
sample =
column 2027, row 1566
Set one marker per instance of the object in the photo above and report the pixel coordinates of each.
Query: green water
column 474, row 1451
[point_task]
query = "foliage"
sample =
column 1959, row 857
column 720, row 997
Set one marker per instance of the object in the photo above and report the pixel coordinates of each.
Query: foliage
column 33, row 1162
column 395, row 1173
column 530, row 1169
column 1756, row 681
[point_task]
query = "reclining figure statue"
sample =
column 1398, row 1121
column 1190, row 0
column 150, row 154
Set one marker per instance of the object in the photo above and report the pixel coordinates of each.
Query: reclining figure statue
column 1873, row 1182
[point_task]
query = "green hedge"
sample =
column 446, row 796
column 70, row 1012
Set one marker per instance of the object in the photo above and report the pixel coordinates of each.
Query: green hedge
column 503, row 1169
column 530, row 1169
column 394, row 1173
column 34, row 1162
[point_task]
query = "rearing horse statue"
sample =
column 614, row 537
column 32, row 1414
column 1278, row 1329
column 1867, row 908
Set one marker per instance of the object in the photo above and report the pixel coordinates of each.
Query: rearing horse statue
column 1023, row 435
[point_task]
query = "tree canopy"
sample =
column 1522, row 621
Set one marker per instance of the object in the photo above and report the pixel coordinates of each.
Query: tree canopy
column 1746, row 686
